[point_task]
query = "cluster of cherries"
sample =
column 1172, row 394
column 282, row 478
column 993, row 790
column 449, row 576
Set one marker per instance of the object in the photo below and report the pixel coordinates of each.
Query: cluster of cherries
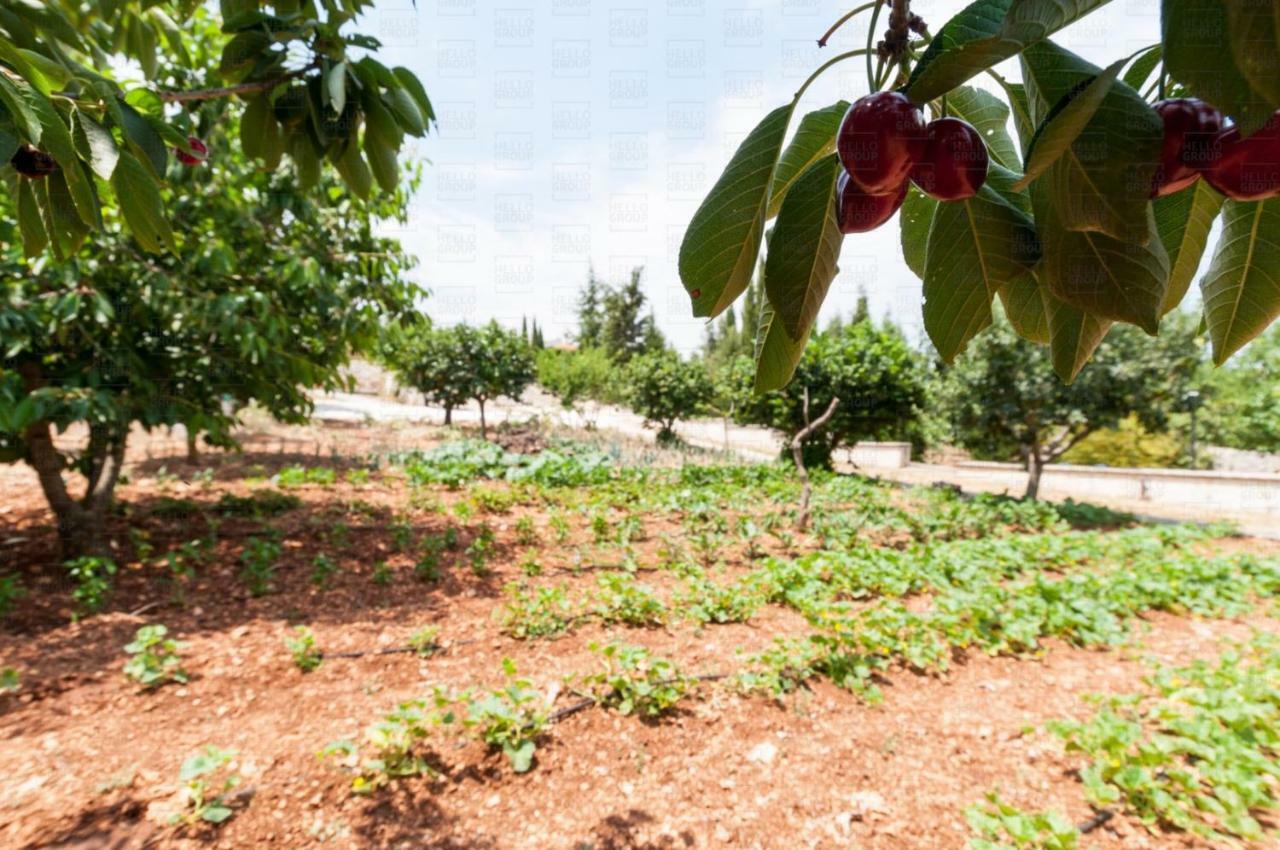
column 1198, row 143
column 884, row 142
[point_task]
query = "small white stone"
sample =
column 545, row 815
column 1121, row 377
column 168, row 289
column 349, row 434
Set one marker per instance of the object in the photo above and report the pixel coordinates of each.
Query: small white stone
column 762, row 753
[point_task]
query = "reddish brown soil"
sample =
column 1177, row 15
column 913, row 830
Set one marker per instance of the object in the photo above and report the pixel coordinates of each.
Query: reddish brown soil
column 90, row 762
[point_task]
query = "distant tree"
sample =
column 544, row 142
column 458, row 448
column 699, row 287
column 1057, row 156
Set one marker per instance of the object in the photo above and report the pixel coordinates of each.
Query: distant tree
column 591, row 312
column 579, row 376
column 733, row 335
column 627, row 331
column 536, row 339
column 663, row 389
column 880, row 381
column 1006, row 400
column 524, row 329
column 452, row 365
column 731, row 389
column 1242, row 398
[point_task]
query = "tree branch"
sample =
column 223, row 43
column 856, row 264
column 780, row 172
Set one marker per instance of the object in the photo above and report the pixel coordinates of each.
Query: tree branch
column 198, row 95
column 797, row 453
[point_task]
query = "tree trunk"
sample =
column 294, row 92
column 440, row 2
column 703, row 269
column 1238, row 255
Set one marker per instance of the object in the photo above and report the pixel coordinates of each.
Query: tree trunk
column 484, row 429
column 448, row 414
column 1035, row 466
column 797, row 452
column 193, row 446
column 81, row 523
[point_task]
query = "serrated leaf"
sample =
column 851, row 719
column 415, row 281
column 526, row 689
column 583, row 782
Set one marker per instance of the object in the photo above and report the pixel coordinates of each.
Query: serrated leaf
column 30, row 221
column 1073, row 336
column 805, row 248
column 1066, row 121
column 19, row 107
column 139, row 199
column 976, row 247
column 777, row 355
column 1107, row 278
column 1199, row 53
column 990, row 117
column 55, row 136
column 1102, row 181
column 984, row 34
column 95, row 144
column 1184, row 220
column 68, row 227
column 1242, row 287
column 722, row 241
column 815, row 137
column 1024, row 306
column 144, row 139
column 914, row 220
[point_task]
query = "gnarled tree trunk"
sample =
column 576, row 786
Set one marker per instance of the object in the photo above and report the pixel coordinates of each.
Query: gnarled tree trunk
column 82, row 523
column 1035, row 466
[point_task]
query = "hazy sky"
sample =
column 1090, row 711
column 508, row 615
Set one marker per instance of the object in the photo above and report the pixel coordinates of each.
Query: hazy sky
column 576, row 132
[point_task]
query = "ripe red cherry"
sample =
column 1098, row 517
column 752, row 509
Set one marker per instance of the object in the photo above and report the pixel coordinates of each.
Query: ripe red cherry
column 954, row 166
column 1247, row 169
column 881, row 136
column 1190, row 127
column 859, row 212
column 201, row 149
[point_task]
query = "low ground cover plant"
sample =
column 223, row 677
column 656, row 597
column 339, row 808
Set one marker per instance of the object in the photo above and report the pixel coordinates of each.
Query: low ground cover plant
column 154, row 658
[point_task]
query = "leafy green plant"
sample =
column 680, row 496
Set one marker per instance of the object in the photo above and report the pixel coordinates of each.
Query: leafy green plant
column 382, row 574
column 633, row 681
column 299, row 476
column 11, row 590
column 92, row 577
column 257, row 564
column 358, row 477
column 999, row 826
column 526, row 531
column 259, row 504
column 302, row 648
column 207, row 781
column 559, row 527
column 393, row 742
column 1198, row 752
column 536, row 612
column 708, row 602
column 530, row 565
column 425, row 641
column 401, row 535
column 620, row 599
column 480, row 548
column 509, row 718
column 322, row 570
column 154, row 658
column 10, row 681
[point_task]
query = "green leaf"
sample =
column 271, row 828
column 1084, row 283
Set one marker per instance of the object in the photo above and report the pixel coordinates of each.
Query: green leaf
column 722, row 242
column 307, row 163
column 1184, row 220
column 34, row 238
column 1073, row 336
column 776, row 353
column 144, row 139
column 336, row 87
column 215, row 813
column 354, row 170
column 1254, row 28
column 406, row 111
column 984, row 34
column 976, row 247
column 990, row 117
column 804, row 250
column 914, row 220
column 1066, row 122
column 69, row 228
column 1199, row 53
column 814, row 138
column 55, row 135
column 1024, row 306
column 1102, row 180
column 25, row 116
column 1140, row 71
column 1242, row 287
column 410, row 83
column 95, row 144
column 260, row 134
column 140, row 202
column 382, row 159
column 242, row 53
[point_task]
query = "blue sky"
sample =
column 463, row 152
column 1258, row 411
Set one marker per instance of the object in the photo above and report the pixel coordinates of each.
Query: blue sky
column 577, row 132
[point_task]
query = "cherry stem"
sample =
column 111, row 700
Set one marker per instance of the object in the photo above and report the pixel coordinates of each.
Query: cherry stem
column 823, row 67
column 826, row 36
column 872, row 83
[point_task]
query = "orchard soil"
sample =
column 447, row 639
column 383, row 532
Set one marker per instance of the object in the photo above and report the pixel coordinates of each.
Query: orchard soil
column 88, row 761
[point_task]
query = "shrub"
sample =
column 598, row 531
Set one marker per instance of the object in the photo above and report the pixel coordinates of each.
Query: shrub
column 574, row 376
column 663, row 389
column 509, row 718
